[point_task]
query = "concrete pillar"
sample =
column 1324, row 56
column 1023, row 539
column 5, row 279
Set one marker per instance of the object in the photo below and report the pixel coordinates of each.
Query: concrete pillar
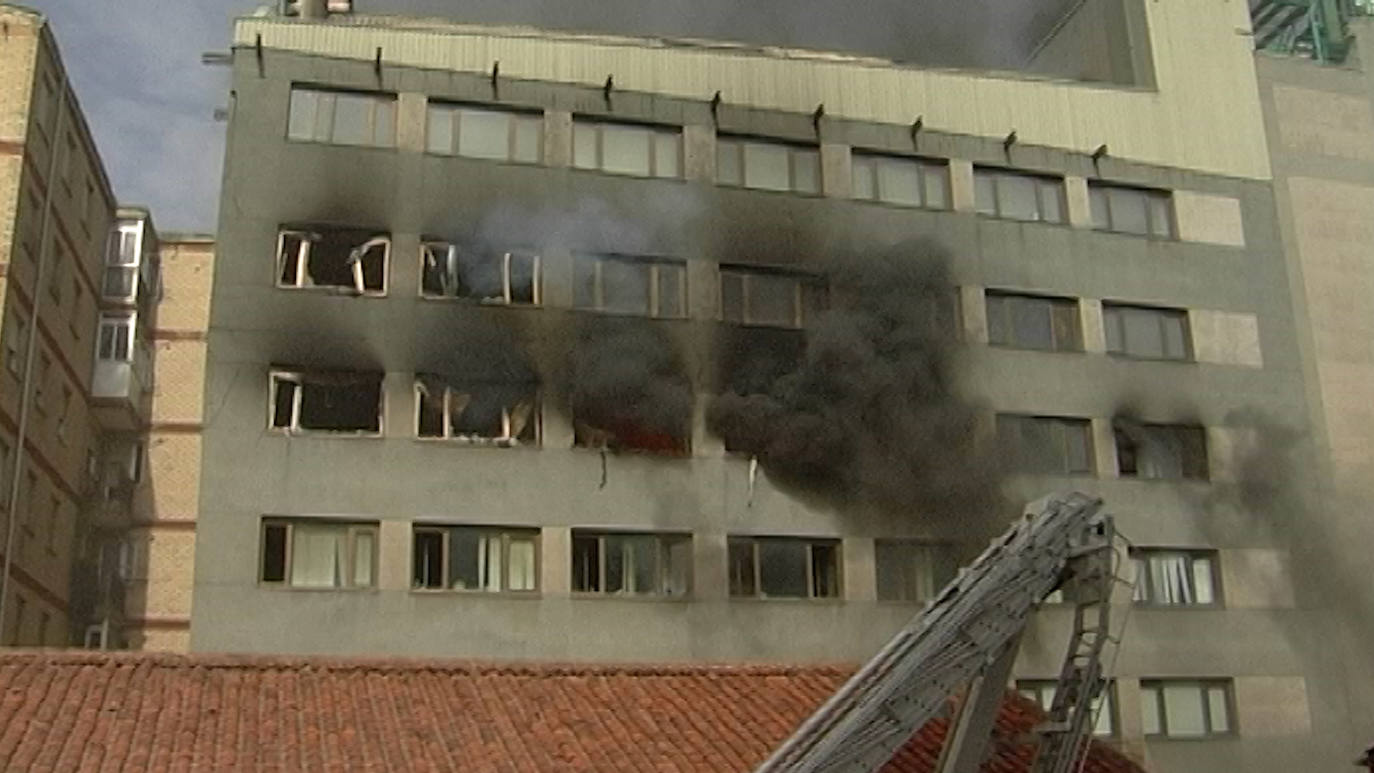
column 403, row 265
column 555, row 560
column 710, row 575
column 974, row 311
column 556, row 264
column 961, row 196
column 393, row 556
column 1076, row 196
column 836, row 176
column 1129, row 728
column 704, row 442
column 557, row 138
column 1104, row 448
column 398, row 405
column 1090, row 320
column 857, row 560
column 699, row 153
column 411, row 120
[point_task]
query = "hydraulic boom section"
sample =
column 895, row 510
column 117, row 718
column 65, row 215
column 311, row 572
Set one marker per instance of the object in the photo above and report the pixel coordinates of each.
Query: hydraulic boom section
column 974, row 623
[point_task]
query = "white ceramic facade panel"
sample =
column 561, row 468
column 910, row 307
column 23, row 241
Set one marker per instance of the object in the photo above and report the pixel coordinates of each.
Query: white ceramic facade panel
column 1225, row 338
column 1209, row 219
column 1272, row 706
column 1205, row 73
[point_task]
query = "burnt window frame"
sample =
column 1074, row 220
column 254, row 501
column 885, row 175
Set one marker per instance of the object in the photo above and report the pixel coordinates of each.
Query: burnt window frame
column 736, row 145
column 428, row 252
column 1112, row 317
column 506, row 534
column 302, row 258
column 507, row 441
column 1162, row 226
column 1062, row 421
column 299, row 377
column 653, row 264
column 664, row 542
column 329, row 135
column 1041, row 180
column 1053, row 302
column 802, row 312
column 656, row 132
column 926, row 169
column 515, row 118
column 736, row 542
column 352, row 529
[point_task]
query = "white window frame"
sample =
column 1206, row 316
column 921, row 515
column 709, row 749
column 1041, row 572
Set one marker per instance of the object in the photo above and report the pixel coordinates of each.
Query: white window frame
column 1157, row 225
column 123, row 319
column 454, row 112
column 299, row 378
column 352, row 530
column 504, row 440
column 1154, row 689
column 653, row 265
column 1044, row 185
column 657, row 133
column 810, row 543
column 506, row 534
column 324, row 129
column 1042, row 691
column 872, row 160
column 1143, row 593
column 431, row 251
column 736, row 143
column 800, row 285
column 663, row 542
column 302, row 260
column 1110, row 318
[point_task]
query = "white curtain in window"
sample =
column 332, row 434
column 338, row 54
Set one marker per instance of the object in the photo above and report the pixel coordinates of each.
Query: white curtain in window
column 1170, row 580
column 1183, row 706
column 625, row 150
column 521, row 564
column 364, row 548
column 484, row 134
column 1158, row 455
column 489, row 562
column 317, row 556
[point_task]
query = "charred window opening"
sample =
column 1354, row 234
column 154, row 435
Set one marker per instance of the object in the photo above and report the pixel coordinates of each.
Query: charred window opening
column 1045, row 445
column 344, row 403
column 784, row 567
column 491, row 276
column 497, row 413
column 631, row 564
column 348, row 259
column 619, row 284
column 754, row 296
column 1160, row 451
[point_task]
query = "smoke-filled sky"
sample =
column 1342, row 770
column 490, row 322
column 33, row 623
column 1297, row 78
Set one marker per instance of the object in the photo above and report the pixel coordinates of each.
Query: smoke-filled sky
column 150, row 103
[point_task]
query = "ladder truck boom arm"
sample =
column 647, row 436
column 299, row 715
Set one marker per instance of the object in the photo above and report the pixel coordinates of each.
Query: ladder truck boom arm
column 976, row 621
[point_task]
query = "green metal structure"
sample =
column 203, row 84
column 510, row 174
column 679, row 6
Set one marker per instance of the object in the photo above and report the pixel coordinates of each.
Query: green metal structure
column 1315, row 28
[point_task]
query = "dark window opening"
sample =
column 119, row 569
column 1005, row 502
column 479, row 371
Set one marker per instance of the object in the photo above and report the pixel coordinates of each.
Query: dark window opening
column 1045, row 445
column 274, row 553
column 751, row 296
column 429, row 559
column 632, row 564
column 1160, row 452
column 348, row 258
column 628, row 436
column 489, row 276
column 783, row 567
column 327, row 402
column 496, row 412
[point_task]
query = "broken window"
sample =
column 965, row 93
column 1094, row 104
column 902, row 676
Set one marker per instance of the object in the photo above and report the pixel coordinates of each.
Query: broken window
column 1146, row 332
column 1175, row 577
column 768, row 165
column 754, row 296
column 1160, row 451
column 909, row 182
column 620, row 148
column 348, row 258
column 1131, row 210
column 1033, row 322
column 500, row 413
column 475, row 558
column 634, row 564
column 327, row 402
column 1103, row 706
column 1179, row 708
column 630, row 285
column 1018, row 196
column 908, row 570
column 301, row 553
column 490, row 276
column 1045, row 445
column 784, row 567
column 475, row 132
column 342, row 117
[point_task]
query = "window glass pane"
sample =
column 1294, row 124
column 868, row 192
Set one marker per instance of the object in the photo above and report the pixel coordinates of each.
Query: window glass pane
column 670, row 290
column 324, row 116
column 1170, row 582
column 1017, row 198
column 782, row 568
column 364, row 547
column 584, row 282
column 464, row 559
column 899, row 182
column 1051, row 201
column 731, row 297
column 679, row 571
column 667, row 152
column 806, row 171
column 427, row 561
column 586, row 564
column 584, row 146
column 1149, row 710
column 352, row 119
column 385, row 128
column 863, row 179
column 439, row 131
column 1161, row 218
column 999, row 332
column 825, row 579
column 772, row 300
column 1030, row 318
column 1097, row 198
column 728, row 170
column 302, row 121
column 625, row 286
column 936, row 179
column 1128, row 210
column 625, row 149
column 741, row 566
column 1202, row 580
column 1140, row 578
column 1103, row 713
column 521, row 563
column 1175, row 343
column 317, row 555
column 489, row 557
column 1112, row 321
column 1142, row 333
column 1218, row 710
column 273, row 552
column 1066, row 337
column 528, row 134
column 766, row 166
column 483, row 134
column 1078, row 458
column 985, row 192
column 1183, row 710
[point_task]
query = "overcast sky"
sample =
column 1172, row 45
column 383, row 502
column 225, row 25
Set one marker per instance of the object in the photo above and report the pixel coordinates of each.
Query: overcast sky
column 150, row 103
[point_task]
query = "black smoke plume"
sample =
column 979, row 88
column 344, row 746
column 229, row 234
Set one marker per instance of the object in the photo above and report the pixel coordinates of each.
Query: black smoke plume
column 870, row 416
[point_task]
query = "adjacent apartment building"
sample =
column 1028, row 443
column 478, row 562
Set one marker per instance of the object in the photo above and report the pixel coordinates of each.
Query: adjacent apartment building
column 479, row 293
column 78, row 284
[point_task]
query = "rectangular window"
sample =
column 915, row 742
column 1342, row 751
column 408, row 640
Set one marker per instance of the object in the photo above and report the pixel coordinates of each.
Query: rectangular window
column 300, row 553
column 756, row 296
column 1146, row 332
column 16, row 334
column 631, row 564
column 122, row 260
column 491, row 276
column 348, row 259
column 1132, row 210
column 1175, row 577
column 618, row 284
column 1033, row 322
column 1179, row 708
column 338, row 402
column 1018, row 196
column 475, row 558
column 784, row 567
column 1103, row 707
column 342, row 117
column 766, row 165
column 1045, row 445
column 908, row 182
column 487, row 412
column 477, row 132
column 1161, row 451
column 908, row 570
column 116, row 337
column 619, row 148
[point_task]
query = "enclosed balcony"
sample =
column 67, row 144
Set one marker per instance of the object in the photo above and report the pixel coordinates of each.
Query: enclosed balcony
column 122, row 382
column 131, row 265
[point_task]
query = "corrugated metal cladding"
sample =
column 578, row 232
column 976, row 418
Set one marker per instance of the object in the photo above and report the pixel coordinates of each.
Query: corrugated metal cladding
column 1205, row 116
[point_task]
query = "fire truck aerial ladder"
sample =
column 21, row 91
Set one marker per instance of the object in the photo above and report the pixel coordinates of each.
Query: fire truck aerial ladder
column 967, row 637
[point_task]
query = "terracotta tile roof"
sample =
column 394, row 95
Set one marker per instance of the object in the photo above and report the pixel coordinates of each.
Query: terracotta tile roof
column 78, row 710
